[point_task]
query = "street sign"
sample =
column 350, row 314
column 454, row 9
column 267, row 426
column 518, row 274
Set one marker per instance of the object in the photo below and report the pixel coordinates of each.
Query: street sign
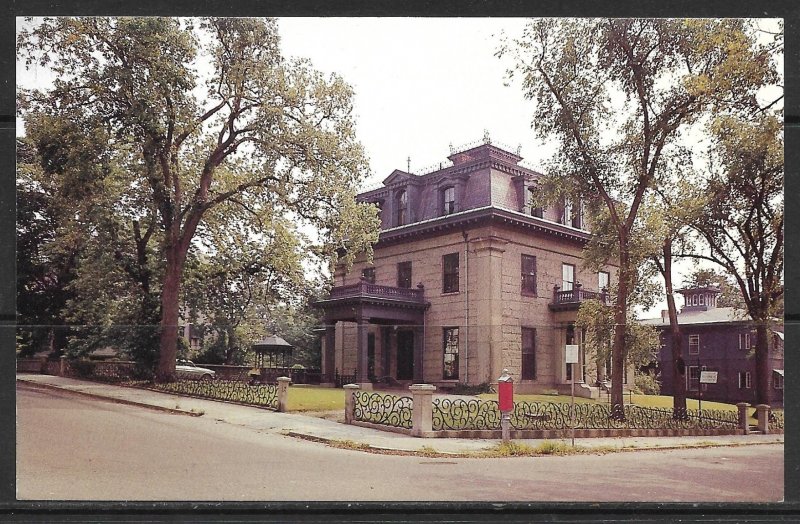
column 572, row 353
column 708, row 377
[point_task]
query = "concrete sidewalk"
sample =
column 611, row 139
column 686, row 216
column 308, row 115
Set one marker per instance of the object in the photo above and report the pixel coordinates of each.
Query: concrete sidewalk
column 319, row 429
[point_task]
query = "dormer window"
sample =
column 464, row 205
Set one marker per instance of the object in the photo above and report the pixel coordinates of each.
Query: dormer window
column 537, row 212
column 565, row 217
column 401, row 208
column 577, row 216
column 448, row 200
column 573, row 214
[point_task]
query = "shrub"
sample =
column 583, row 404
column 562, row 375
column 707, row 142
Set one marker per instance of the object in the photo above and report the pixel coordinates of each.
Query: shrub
column 466, row 389
column 647, row 384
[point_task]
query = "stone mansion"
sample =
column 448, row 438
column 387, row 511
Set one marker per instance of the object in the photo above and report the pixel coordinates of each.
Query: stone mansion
column 468, row 278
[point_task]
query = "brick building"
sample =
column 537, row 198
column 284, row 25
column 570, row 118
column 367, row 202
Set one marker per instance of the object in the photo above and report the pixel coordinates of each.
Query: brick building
column 468, row 278
column 719, row 339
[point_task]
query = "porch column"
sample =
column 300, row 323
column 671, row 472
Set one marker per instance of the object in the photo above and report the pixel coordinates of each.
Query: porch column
column 362, row 362
column 386, row 351
column 329, row 353
column 419, row 343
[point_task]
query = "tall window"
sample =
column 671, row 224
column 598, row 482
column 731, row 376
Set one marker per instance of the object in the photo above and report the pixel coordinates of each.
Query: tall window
column 567, row 277
column 566, row 216
column 528, row 354
column 745, row 380
column 694, row 344
column 449, row 200
column 603, row 280
column 404, row 274
column 535, row 211
column 693, row 378
column 744, row 340
column 576, row 219
column 450, row 273
column 450, row 364
column 401, row 208
column 368, row 274
column 528, row 275
column 777, row 381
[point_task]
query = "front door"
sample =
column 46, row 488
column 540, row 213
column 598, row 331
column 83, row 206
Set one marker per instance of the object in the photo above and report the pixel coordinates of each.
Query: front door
column 405, row 355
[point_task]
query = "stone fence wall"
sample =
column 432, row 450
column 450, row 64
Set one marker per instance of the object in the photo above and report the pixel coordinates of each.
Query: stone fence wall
column 420, row 414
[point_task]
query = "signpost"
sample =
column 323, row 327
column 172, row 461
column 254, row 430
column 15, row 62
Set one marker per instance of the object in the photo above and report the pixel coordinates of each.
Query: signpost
column 571, row 354
column 706, row 377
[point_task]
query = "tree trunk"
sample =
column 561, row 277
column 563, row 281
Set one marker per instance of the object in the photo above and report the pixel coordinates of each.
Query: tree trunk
column 618, row 349
column 763, row 371
column 678, row 365
column 170, row 314
column 230, row 346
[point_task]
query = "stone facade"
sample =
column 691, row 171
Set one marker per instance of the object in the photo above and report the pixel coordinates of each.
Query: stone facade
column 488, row 227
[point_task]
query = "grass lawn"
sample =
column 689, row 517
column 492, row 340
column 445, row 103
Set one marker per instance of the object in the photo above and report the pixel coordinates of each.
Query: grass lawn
column 315, row 398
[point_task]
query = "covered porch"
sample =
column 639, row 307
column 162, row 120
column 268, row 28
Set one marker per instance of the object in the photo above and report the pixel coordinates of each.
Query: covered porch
column 380, row 336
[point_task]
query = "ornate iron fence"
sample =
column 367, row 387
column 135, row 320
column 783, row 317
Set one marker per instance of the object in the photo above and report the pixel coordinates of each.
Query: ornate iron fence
column 776, row 420
column 340, row 380
column 458, row 414
column 265, row 395
column 462, row 414
column 380, row 408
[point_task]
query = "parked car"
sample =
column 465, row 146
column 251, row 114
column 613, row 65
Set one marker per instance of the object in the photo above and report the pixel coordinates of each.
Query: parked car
column 186, row 369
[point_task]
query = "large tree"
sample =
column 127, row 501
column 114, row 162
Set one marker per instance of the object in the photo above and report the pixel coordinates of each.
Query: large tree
column 199, row 113
column 743, row 228
column 615, row 96
column 44, row 270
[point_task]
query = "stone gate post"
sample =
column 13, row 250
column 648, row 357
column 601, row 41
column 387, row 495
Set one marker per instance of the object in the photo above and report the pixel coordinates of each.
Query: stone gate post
column 422, row 409
column 743, row 424
column 283, row 393
column 350, row 391
column 762, row 414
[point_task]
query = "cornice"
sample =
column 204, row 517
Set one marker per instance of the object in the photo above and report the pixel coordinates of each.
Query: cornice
column 475, row 217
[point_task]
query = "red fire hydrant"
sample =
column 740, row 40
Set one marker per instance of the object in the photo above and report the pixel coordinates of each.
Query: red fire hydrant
column 505, row 400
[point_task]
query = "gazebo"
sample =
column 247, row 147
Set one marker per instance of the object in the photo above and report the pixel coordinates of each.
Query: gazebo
column 277, row 351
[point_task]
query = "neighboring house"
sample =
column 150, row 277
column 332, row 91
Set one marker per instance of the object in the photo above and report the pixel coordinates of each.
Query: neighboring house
column 719, row 339
column 468, row 278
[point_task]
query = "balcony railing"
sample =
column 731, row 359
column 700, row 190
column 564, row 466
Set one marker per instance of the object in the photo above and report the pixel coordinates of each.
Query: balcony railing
column 573, row 297
column 366, row 289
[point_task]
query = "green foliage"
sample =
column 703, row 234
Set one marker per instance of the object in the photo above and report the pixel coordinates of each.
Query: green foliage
column 598, row 321
column 647, row 384
column 213, row 352
column 477, row 389
column 615, row 96
column 172, row 135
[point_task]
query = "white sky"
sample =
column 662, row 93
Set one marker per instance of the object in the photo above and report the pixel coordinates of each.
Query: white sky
column 420, row 85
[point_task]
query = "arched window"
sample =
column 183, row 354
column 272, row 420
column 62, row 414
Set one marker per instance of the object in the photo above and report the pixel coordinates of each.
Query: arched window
column 401, row 208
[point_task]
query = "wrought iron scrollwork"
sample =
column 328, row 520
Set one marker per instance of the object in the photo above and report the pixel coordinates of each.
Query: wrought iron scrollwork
column 378, row 408
column 461, row 414
column 458, row 414
column 775, row 420
column 265, row 395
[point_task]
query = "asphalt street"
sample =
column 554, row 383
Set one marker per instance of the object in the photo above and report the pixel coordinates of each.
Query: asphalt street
column 77, row 448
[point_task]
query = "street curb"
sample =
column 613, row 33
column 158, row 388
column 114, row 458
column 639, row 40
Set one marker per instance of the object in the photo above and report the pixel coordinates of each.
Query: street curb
column 369, row 448
column 33, row 384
